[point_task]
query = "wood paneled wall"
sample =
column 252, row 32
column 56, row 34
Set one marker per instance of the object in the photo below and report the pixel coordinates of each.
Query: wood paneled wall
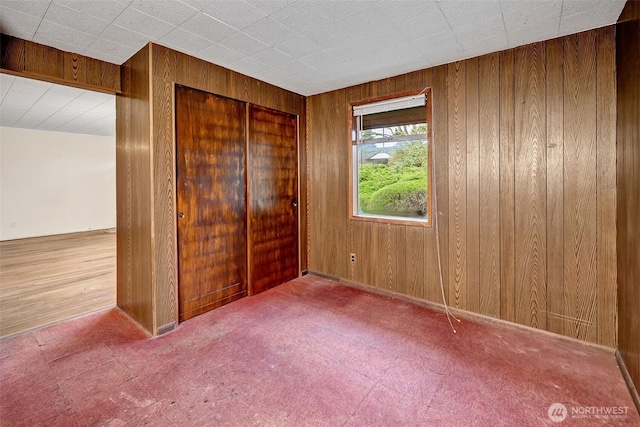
column 524, row 144
column 28, row 59
column 134, row 192
column 628, row 185
column 164, row 68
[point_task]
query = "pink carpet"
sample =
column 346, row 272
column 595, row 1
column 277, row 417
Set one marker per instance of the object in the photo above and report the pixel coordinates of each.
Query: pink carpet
column 308, row 353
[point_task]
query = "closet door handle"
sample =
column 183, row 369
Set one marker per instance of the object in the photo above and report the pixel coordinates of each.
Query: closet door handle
column 181, row 215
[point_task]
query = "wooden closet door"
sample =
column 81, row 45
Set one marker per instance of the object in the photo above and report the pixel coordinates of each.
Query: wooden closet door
column 210, row 192
column 273, row 198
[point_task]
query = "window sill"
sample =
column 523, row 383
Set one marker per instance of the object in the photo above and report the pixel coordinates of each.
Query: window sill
column 393, row 220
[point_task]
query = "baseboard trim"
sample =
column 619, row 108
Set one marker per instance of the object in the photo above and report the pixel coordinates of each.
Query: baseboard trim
column 166, row 328
column 326, row 276
column 627, row 379
column 462, row 314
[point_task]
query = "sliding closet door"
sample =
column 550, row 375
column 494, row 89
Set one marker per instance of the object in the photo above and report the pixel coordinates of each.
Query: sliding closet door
column 210, row 192
column 273, row 198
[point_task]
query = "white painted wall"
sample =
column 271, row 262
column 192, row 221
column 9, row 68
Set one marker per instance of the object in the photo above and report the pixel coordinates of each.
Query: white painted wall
column 55, row 183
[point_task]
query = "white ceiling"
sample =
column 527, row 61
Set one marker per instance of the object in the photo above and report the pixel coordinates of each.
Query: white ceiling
column 306, row 46
column 32, row 104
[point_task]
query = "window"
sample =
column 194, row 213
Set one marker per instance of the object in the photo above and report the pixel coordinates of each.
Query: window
column 391, row 160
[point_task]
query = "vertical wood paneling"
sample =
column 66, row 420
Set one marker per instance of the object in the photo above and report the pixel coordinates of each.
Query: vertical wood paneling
column 507, row 186
column 530, row 186
column 502, row 129
column 628, row 183
column 473, row 187
column 135, row 288
column 605, row 187
column 580, row 186
column 555, row 187
column 458, row 184
column 164, row 155
column 146, row 173
column 440, row 152
column 489, row 188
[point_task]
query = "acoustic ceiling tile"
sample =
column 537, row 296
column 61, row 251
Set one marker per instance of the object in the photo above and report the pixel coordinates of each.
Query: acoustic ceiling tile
column 570, row 24
column 534, row 33
column 9, row 118
column 272, row 56
column 303, row 17
column 269, row 31
column 219, row 55
column 249, row 66
column 124, row 37
column 119, row 60
column 236, row 13
column 332, row 34
column 106, row 10
column 270, row 6
column 173, row 12
column 142, row 23
column 468, row 13
column 6, row 81
column 297, row 47
column 243, row 44
column 399, row 11
column 415, row 28
column 108, row 49
column 320, row 60
column 184, row 41
column 207, row 27
column 492, row 27
column 31, row 7
column 520, row 15
column 73, row 19
column 31, row 119
column 436, row 43
column 63, row 37
column 572, row 7
column 18, row 24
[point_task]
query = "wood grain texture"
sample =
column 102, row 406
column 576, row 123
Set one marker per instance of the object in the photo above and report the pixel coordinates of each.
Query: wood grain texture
column 49, row 279
column 150, row 133
column 530, row 186
column 164, row 215
column 628, row 183
column 507, row 186
column 134, row 195
column 33, row 60
column 505, row 194
column 555, row 187
column 272, row 212
column 473, row 186
column 211, row 134
column 605, row 187
column 489, row 185
column 580, row 186
column 458, row 184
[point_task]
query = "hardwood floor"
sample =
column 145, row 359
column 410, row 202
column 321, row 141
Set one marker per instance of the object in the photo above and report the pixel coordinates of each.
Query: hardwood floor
column 44, row 280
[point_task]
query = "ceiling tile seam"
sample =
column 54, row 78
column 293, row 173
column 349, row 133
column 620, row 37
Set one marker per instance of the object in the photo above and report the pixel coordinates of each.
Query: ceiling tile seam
column 32, row 105
column 40, row 23
column 56, row 112
column 13, row 80
column 450, row 27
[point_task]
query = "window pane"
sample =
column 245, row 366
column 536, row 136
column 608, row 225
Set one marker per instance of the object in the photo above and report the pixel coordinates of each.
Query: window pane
column 392, row 171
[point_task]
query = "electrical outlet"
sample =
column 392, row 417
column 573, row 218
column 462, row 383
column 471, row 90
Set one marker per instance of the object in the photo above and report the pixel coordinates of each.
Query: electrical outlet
column 353, row 257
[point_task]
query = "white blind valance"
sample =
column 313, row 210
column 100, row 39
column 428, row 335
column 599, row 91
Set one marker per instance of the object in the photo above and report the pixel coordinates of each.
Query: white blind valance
column 390, row 105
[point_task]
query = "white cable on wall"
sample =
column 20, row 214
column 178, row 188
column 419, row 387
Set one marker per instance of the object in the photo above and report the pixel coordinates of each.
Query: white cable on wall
column 435, row 223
